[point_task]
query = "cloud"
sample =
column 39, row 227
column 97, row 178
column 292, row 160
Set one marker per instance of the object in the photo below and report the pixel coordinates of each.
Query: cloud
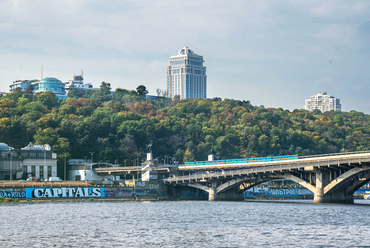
column 273, row 53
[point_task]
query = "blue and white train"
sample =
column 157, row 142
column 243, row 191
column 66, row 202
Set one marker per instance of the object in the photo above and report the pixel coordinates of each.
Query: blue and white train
column 240, row 161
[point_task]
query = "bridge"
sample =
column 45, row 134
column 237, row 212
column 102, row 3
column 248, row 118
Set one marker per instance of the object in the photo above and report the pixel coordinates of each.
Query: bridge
column 333, row 178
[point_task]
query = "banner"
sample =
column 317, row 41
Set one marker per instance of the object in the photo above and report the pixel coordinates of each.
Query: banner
column 64, row 192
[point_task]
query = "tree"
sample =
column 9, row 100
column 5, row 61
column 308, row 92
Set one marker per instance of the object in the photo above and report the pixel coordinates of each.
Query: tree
column 105, row 88
column 75, row 93
column 188, row 156
column 141, row 90
column 46, row 136
column 48, row 99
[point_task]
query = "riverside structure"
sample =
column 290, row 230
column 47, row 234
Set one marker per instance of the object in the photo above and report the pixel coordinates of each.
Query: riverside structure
column 332, row 178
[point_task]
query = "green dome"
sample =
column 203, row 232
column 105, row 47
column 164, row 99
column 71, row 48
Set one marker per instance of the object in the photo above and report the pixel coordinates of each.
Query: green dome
column 50, row 80
column 4, row 147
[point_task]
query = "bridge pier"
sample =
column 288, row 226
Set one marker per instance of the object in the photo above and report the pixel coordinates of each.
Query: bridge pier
column 321, row 181
column 230, row 195
column 337, row 196
column 212, row 194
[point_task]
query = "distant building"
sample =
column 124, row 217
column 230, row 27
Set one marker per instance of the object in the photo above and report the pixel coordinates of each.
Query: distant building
column 23, row 84
column 50, row 84
column 77, row 83
column 46, row 84
column 31, row 161
column 186, row 75
column 322, row 102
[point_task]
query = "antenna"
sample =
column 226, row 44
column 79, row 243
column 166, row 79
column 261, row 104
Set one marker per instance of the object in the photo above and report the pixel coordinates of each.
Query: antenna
column 42, row 72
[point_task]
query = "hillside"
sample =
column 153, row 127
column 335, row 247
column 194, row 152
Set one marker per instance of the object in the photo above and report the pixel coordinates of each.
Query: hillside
column 118, row 127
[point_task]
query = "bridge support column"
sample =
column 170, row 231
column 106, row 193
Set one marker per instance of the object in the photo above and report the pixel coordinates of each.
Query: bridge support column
column 322, row 179
column 212, row 194
column 338, row 196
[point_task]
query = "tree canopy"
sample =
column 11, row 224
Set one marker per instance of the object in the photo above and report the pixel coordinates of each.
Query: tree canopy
column 119, row 126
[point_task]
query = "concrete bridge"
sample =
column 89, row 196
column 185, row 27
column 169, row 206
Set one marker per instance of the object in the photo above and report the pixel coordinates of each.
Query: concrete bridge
column 333, row 178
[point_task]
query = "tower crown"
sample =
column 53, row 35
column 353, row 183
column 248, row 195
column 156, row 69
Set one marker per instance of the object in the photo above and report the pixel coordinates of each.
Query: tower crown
column 185, row 50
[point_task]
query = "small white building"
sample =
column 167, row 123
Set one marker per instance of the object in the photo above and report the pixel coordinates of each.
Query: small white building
column 31, row 161
column 322, row 102
column 82, row 171
column 77, row 83
column 39, row 161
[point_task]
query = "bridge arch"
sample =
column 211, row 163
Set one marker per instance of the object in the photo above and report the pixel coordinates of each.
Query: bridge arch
column 345, row 178
column 238, row 181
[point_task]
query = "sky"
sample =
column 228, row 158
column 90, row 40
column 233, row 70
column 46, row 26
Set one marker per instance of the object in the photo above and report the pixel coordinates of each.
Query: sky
column 272, row 53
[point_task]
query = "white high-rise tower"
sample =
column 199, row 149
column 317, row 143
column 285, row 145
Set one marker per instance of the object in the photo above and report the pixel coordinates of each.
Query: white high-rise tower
column 323, row 102
column 186, row 75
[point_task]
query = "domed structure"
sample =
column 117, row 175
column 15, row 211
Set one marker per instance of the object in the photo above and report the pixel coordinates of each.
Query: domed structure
column 50, row 80
column 186, row 50
column 51, row 84
column 4, row 147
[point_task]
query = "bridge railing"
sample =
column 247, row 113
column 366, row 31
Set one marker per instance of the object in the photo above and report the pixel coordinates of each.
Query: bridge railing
column 267, row 159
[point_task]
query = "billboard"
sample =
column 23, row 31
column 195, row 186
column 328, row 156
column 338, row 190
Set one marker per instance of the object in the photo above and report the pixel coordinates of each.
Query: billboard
column 64, row 192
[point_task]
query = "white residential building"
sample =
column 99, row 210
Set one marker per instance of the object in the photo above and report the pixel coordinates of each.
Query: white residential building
column 31, row 161
column 77, row 83
column 186, row 75
column 322, row 102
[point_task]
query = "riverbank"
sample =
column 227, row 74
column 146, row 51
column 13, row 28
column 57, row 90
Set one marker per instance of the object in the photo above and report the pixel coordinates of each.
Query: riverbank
column 8, row 200
column 13, row 200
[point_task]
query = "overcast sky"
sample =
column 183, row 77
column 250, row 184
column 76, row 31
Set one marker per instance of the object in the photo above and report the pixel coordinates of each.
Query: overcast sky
column 273, row 53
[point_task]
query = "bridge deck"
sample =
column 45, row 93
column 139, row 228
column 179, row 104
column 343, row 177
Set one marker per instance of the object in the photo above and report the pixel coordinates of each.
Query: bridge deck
column 229, row 170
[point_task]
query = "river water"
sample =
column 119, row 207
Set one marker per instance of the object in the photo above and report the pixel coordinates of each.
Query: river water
column 185, row 224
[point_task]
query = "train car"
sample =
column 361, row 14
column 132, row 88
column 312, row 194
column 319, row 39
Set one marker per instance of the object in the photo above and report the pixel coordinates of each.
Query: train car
column 241, row 160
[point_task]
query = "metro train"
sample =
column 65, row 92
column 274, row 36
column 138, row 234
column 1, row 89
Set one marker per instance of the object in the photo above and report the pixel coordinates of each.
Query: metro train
column 241, row 160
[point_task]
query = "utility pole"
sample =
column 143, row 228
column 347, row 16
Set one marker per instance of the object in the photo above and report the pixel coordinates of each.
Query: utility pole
column 65, row 166
column 11, row 165
column 91, row 169
column 92, row 153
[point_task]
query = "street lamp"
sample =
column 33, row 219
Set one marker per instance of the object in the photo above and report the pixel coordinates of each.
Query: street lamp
column 91, row 169
column 11, row 165
column 92, row 153
column 44, row 164
column 65, row 166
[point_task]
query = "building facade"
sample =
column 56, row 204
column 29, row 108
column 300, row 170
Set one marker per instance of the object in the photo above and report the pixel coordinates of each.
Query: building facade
column 51, row 84
column 77, row 84
column 322, row 102
column 23, row 84
column 186, row 75
column 46, row 84
column 31, row 161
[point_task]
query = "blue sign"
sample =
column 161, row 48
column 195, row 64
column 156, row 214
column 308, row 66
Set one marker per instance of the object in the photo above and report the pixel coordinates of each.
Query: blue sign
column 63, row 192
column 13, row 194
